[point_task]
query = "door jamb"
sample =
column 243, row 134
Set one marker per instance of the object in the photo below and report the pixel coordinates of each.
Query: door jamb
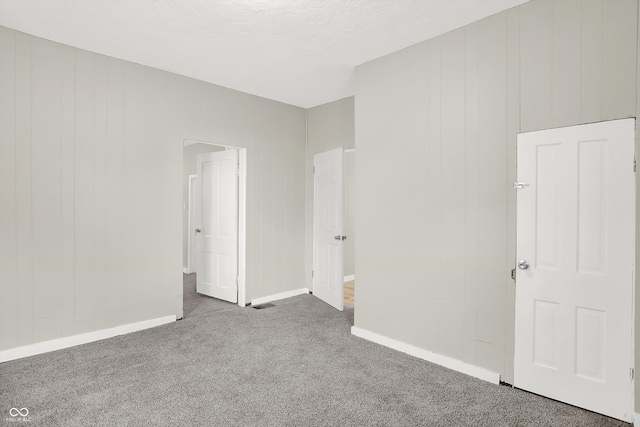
column 192, row 179
column 345, row 207
column 242, row 214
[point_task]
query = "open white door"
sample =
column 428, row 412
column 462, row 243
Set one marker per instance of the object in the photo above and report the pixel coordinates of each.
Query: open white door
column 216, row 222
column 328, row 246
column 574, row 300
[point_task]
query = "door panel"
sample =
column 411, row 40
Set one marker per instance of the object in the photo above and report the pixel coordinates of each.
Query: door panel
column 328, row 252
column 547, row 206
column 592, row 208
column 545, row 334
column 590, row 352
column 576, row 228
column 217, row 219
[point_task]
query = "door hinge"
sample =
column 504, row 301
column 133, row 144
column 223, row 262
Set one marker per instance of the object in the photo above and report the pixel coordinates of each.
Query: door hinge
column 513, row 274
column 632, row 374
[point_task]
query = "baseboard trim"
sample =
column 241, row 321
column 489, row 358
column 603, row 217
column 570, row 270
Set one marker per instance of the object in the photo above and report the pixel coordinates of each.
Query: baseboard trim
column 349, row 277
column 637, row 419
column 281, row 295
column 439, row 359
column 66, row 342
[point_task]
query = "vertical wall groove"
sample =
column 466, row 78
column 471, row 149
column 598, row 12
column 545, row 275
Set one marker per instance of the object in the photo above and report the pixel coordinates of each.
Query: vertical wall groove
column 543, row 64
column 90, row 199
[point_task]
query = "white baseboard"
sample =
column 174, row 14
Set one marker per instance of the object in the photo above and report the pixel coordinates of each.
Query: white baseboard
column 66, row 342
column 185, row 270
column 637, row 419
column 439, row 359
column 349, row 277
column 281, row 295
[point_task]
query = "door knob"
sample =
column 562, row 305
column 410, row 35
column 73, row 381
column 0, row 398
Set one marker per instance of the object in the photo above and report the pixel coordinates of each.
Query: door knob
column 198, row 230
column 337, row 237
column 523, row 264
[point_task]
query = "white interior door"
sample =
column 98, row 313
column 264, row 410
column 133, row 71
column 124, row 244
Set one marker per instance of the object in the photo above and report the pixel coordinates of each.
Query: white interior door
column 328, row 238
column 575, row 229
column 216, row 221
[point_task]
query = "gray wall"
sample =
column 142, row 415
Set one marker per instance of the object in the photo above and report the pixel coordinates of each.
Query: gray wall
column 436, row 129
column 329, row 126
column 91, row 188
column 190, row 167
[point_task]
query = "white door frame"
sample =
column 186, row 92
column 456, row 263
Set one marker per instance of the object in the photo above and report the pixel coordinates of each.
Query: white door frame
column 242, row 214
column 350, row 241
column 190, row 240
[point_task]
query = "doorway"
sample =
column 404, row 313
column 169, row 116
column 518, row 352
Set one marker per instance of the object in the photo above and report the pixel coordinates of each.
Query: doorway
column 575, row 251
column 230, row 181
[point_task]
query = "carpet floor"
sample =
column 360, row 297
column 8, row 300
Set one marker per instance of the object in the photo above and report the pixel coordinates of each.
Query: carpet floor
column 294, row 364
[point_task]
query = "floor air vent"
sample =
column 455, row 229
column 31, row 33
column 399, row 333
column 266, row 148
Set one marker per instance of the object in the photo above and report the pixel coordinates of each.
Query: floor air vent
column 261, row 306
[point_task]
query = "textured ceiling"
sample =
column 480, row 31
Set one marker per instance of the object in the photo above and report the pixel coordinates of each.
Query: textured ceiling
column 300, row 52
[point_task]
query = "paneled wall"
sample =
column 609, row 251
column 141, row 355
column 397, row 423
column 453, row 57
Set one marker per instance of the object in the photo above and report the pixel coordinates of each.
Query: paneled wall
column 91, row 190
column 275, row 137
column 329, row 126
column 436, row 128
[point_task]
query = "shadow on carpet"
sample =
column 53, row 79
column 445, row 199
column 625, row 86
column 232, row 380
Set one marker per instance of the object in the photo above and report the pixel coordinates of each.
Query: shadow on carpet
column 196, row 304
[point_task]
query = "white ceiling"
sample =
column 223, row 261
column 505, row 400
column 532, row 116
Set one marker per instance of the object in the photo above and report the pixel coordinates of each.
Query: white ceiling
column 300, row 52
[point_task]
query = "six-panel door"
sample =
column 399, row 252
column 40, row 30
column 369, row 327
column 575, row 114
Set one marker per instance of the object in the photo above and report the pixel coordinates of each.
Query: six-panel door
column 575, row 228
